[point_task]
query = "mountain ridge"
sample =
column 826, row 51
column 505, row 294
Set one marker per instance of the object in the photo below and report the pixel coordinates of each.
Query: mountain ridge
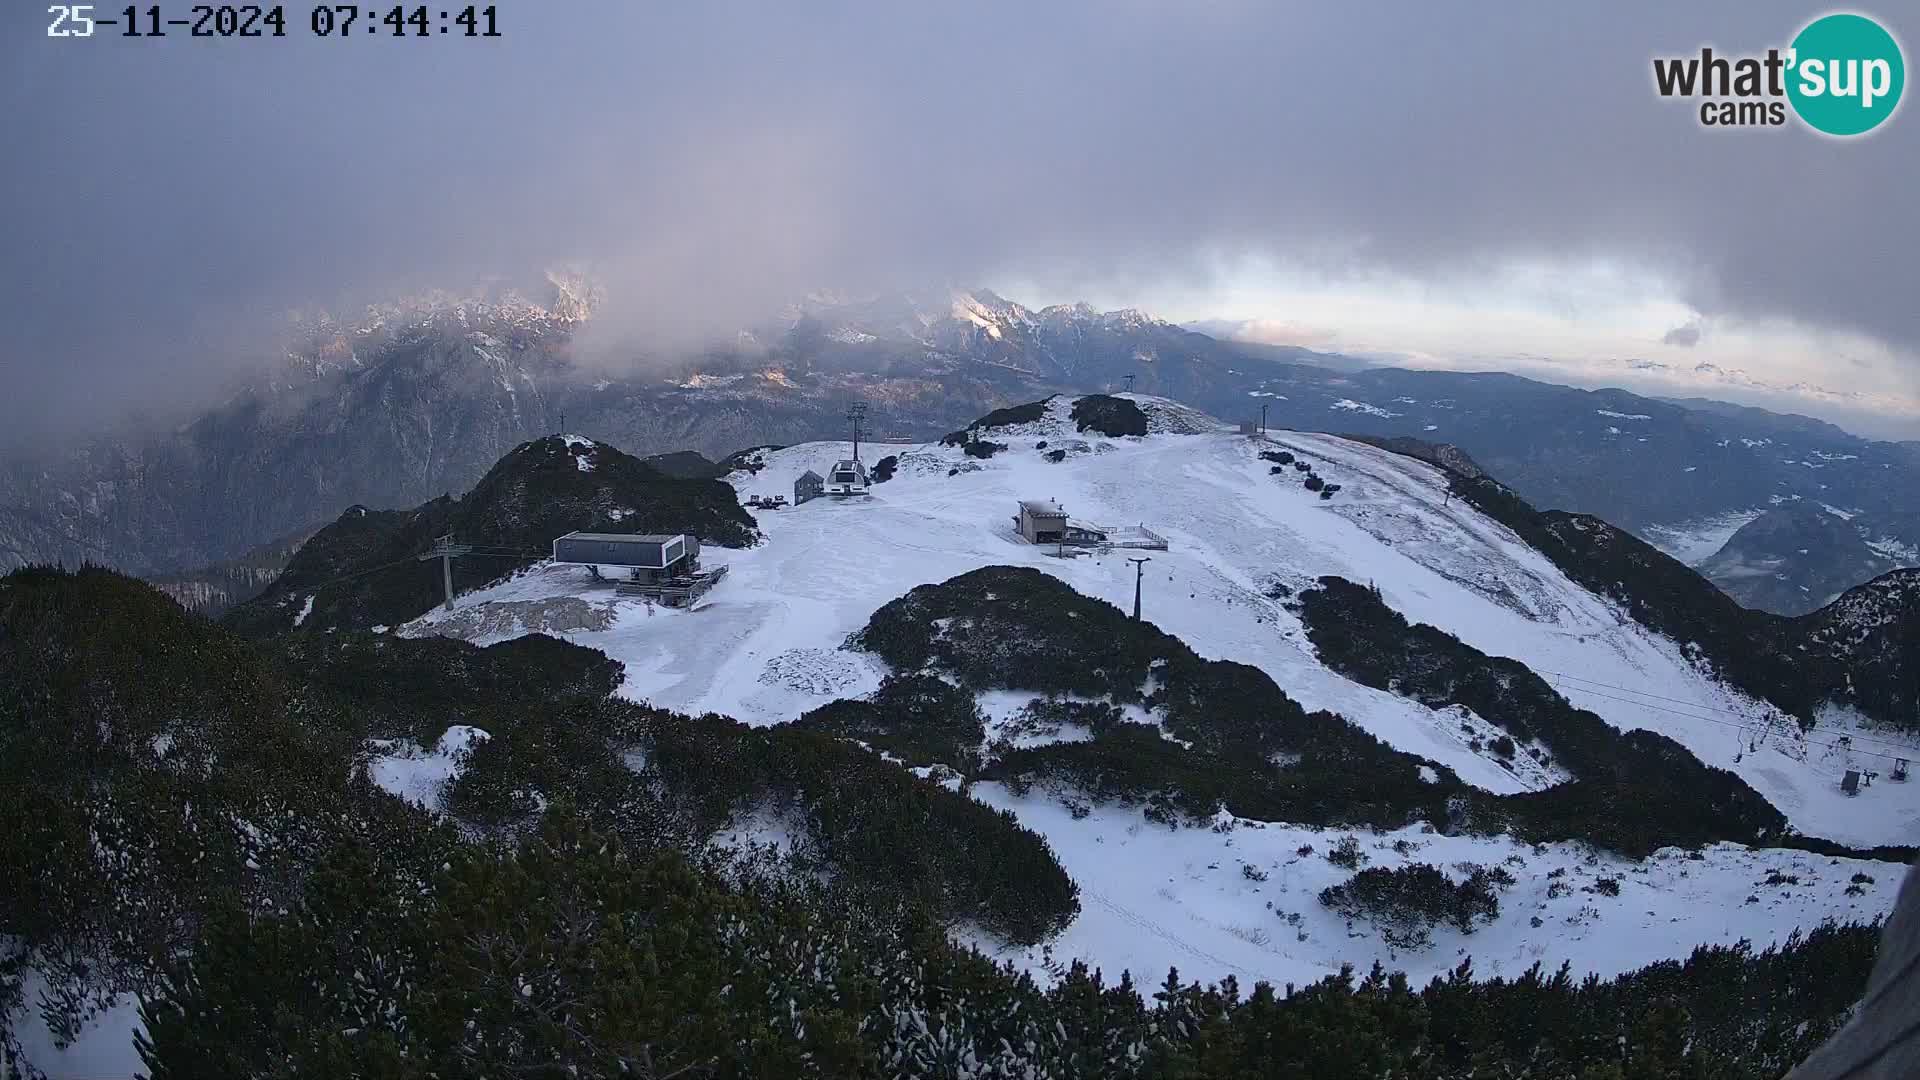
column 965, row 737
column 417, row 401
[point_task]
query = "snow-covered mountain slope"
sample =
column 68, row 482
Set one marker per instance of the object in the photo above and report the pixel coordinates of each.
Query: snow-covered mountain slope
column 1242, row 899
column 766, row 645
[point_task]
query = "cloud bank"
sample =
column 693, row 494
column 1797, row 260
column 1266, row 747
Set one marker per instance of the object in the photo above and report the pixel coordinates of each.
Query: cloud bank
column 165, row 199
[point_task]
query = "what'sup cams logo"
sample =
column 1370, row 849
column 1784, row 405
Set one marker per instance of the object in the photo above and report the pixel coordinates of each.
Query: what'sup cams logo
column 1842, row 76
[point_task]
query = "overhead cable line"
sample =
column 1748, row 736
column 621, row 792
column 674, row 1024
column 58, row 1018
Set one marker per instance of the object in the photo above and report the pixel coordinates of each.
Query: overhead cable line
column 1732, row 724
column 1895, row 743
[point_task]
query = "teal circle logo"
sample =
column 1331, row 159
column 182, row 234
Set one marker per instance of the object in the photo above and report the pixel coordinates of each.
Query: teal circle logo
column 1845, row 74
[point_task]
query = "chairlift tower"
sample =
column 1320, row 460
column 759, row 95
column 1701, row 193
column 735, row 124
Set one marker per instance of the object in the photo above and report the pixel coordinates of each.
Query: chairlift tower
column 446, row 551
column 1139, row 568
column 857, row 416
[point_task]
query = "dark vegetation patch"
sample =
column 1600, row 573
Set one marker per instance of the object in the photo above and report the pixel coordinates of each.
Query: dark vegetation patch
column 1347, row 853
column 159, row 767
column 1246, row 746
column 883, row 469
column 695, row 973
column 1108, row 415
column 1633, row 791
column 665, row 780
column 156, row 768
column 361, row 570
column 432, row 683
column 750, row 460
column 921, row 719
column 183, row 820
column 1004, row 417
column 885, row 836
column 1252, row 746
column 1056, row 713
column 685, row 465
column 1747, row 648
column 982, row 448
column 1862, row 650
column 1407, row 902
column 1445, row 455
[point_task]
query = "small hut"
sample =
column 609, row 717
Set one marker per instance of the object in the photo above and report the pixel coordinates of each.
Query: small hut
column 1041, row 523
column 810, row 485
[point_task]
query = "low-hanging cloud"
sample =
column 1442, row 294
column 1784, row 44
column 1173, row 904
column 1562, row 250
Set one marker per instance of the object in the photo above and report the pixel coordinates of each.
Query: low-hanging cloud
column 1684, row 336
column 165, row 199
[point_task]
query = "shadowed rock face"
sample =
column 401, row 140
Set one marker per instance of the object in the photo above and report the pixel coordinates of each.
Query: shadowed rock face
column 1794, row 559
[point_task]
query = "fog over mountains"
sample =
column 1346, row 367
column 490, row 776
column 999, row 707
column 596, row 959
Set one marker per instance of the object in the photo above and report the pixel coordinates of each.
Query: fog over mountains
column 418, row 398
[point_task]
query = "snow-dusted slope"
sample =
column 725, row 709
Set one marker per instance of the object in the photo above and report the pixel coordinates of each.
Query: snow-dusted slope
column 763, row 647
column 766, row 646
column 1242, row 899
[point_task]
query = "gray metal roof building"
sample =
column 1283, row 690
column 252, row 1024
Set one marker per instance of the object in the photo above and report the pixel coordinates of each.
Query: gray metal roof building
column 653, row 550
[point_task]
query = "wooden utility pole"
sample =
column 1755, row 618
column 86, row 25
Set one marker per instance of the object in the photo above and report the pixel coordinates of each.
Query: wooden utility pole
column 1139, row 568
column 1263, row 417
column 446, row 551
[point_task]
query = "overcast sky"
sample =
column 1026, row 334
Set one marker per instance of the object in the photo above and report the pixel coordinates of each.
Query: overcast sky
column 1466, row 185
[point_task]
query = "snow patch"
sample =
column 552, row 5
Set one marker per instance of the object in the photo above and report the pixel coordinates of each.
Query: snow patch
column 103, row 1049
column 418, row 775
column 1351, row 405
column 1241, row 898
column 1891, row 548
column 1694, row 542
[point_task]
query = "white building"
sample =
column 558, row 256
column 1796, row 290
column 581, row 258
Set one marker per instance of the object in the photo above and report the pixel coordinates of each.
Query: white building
column 847, row 477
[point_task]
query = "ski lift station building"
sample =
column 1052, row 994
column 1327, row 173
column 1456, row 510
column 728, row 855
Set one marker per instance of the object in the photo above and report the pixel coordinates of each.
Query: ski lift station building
column 848, row 477
column 651, row 556
column 1040, row 522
